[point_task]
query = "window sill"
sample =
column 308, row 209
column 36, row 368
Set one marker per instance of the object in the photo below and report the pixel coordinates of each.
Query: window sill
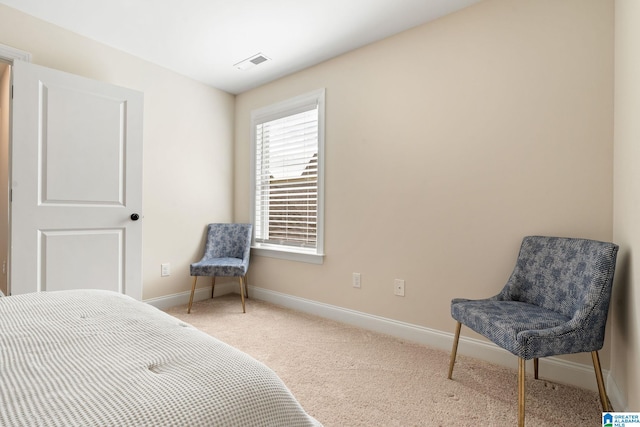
column 288, row 254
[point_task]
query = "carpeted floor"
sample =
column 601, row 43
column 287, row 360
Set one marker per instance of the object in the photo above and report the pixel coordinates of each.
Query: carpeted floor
column 345, row 376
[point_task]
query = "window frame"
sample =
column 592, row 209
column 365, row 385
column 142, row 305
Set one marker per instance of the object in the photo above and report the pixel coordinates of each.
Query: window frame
column 273, row 112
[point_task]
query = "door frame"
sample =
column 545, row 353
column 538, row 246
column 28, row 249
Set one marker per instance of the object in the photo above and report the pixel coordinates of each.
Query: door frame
column 9, row 54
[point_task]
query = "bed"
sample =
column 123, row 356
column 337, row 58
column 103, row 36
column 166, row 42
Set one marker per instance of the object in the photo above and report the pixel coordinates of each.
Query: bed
column 99, row 358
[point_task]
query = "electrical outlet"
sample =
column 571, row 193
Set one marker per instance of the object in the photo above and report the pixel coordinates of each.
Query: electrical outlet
column 398, row 287
column 165, row 269
column 356, row 280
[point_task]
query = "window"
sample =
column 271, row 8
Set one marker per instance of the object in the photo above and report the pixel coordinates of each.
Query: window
column 287, row 178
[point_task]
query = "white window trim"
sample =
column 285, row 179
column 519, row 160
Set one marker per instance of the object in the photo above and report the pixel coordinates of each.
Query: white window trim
column 273, row 112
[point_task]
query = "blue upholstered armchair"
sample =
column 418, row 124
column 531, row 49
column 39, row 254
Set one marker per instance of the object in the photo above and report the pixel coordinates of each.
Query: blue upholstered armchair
column 226, row 254
column 555, row 302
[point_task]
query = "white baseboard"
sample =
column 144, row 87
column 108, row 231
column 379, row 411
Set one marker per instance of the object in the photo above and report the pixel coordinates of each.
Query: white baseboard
column 616, row 396
column 183, row 297
column 555, row 369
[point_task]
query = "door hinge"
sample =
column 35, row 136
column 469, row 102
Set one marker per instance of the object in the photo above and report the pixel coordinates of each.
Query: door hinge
column 11, row 91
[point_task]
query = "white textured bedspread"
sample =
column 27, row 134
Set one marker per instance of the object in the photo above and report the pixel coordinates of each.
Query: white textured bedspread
column 97, row 358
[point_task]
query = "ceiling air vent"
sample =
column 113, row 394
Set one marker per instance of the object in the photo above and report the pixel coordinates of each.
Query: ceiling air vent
column 251, row 62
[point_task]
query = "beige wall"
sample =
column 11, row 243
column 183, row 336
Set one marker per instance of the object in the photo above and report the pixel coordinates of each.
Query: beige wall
column 445, row 145
column 188, row 143
column 625, row 365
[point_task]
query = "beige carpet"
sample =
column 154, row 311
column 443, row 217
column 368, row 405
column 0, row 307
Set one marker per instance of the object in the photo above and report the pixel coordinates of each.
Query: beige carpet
column 346, row 376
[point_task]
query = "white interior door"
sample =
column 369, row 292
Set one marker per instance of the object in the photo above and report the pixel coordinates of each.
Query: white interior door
column 76, row 184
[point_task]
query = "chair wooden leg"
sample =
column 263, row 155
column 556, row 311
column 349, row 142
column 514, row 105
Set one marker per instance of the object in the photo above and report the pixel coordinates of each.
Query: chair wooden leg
column 606, row 405
column 535, row 368
column 242, row 292
column 246, row 283
column 213, row 285
column 521, row 370
column 454, row 350
column 193, row 290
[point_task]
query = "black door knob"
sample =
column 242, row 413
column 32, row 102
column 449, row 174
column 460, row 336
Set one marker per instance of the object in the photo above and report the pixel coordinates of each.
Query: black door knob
column 135, row 217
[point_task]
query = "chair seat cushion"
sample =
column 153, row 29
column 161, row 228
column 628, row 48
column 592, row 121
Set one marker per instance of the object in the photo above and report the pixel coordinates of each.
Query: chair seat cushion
column 223, row 267
column 507, row 323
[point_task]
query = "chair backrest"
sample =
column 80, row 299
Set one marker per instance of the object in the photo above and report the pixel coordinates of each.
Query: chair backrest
column 228, row 241
column 570, row 276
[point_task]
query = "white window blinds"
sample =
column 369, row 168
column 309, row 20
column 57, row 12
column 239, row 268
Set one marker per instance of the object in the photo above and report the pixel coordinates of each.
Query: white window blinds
column 286, row 178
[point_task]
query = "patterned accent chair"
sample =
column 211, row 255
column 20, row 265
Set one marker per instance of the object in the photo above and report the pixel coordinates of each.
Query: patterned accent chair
column 555, row 302
column 226, row 254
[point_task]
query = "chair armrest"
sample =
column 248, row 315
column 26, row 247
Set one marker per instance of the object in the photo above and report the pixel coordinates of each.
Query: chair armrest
column 570, row 337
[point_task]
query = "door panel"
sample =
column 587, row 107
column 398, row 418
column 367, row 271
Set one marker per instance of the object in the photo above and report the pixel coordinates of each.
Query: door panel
column 76, row 178
column 82, row 143
column 78, row 259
